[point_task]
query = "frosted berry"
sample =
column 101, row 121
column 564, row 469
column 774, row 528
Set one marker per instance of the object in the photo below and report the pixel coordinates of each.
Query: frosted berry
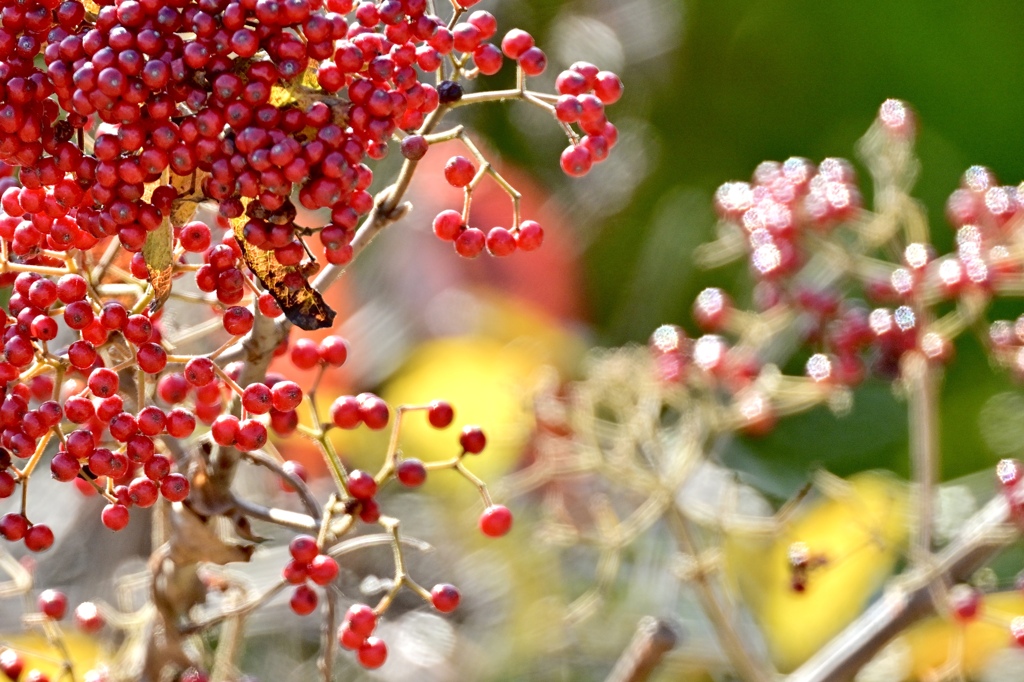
column 372, row 653
column 53, row 603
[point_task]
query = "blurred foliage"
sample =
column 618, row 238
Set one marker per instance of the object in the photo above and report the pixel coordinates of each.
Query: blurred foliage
column 739, row 82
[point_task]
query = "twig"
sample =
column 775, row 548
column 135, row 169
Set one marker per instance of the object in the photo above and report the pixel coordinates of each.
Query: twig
column 910, row 600
column 739, row 654
column 653, row 639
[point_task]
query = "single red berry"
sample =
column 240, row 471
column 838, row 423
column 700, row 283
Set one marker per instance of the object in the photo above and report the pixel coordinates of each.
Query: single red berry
column 533, row 61
column 238, row 320
column 286, row 395
column 472, row 440
column 11, row 663
column 195, row 236
column 373, row 411
column 361, row 485
column 607, row 87
column 252, row 435
column 295, row 572
column 103, row 382
column 323, row 569
column 470, row 242
column 348, row 638
column 576, row 161
column 530, row 235
column 303, row 548
column 174, row 487
column 372, row 653
column 459, row 171
column 515, row 43
column 414, row 147
column 268, row 305
column 39, row 538
column 440, row 414
column 496, row 521
column 143, row 492
column 225, row 429
column 180, row 423
column 334, row 351
column 411, row 473
column 13, row 526
column 303, row 601
column 361, row 619
column 501, row 242
column 256, row 398
column 88, row 617
column 445, row 597
column 53, row 603
column 305, row 353
column 199, row 371
column 448, row 224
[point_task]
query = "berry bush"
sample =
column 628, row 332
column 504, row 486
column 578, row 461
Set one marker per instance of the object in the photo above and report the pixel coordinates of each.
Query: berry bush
column 864, row 577
column 222, row 162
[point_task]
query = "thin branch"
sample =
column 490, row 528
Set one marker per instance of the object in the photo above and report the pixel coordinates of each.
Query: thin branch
column 653, row 639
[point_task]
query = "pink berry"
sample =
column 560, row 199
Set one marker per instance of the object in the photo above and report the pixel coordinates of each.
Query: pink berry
column 470, row 243
column 500, row 242
column 459, row 171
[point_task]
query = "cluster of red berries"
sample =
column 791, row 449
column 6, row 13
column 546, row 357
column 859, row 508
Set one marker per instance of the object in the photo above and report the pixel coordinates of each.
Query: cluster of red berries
column 307, row 564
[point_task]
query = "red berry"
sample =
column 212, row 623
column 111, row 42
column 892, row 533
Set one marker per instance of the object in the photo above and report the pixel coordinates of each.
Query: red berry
column 174, row 487
column 252, row 435
column 13, row 526
column 530, row 236
column 448, row 224
column 143, row 492
column 334, row 351
column 496, row 521
column 501, row 242
column 303, row 601
column 295, row 572
column 515, row 43
column 361, row 485
column 225, row 429
column 256, row 399
column 473, row 440
column 964, row 602
column 53, row 603
column 373, row 652
column 323, row 569
column 39, row 538
column 576, row 161
column 180, row 423
column 349, row 639
column 305, row 354
column 373, row 411
column 103, row 382
column 607, row 87
column 411, row 473
column 286, row 395
column 303, row 548
column 345, row 412
column 445, row 597
column 440, row 414
column 361, row 619
column 459, row 171
column 533, row 61
column 238, row 320
column 88, row 618
column 11, row 663
column 470, row 243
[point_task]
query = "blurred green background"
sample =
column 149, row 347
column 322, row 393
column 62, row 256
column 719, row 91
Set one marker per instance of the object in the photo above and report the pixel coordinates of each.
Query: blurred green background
column 713, row 87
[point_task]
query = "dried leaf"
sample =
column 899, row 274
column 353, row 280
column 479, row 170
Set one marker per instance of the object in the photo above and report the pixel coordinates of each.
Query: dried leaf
column 158, row 252
column 288, row 284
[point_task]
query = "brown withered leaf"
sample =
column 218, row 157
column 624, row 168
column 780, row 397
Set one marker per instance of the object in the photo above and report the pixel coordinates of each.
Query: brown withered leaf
column 288, row 284
column 158, row 252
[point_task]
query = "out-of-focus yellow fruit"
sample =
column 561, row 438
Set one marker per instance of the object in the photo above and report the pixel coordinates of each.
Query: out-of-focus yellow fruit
column 487, row 377
column 852, row 541
column 38, row 654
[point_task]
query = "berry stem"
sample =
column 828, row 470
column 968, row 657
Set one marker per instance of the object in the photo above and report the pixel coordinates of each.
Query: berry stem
column 923, row 398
